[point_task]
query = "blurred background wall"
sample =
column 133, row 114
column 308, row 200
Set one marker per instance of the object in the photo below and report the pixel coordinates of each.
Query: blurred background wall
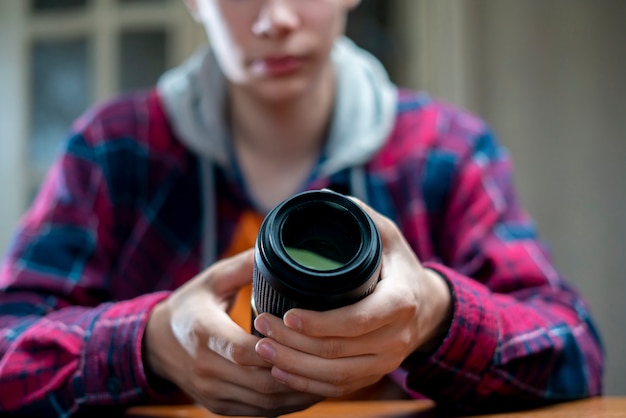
column 547, row 75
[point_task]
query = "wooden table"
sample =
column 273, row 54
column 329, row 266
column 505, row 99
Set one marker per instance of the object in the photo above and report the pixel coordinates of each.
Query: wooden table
column 604, row 407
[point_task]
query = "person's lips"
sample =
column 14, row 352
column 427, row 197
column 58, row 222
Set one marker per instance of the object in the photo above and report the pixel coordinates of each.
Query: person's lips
column 275, row 66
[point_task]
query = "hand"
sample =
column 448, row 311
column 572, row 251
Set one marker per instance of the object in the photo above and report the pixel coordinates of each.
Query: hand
column 336, row 352
column 191, row 341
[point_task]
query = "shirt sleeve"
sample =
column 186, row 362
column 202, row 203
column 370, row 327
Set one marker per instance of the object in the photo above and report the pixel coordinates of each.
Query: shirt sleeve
column 520, row 335
column 64, row 343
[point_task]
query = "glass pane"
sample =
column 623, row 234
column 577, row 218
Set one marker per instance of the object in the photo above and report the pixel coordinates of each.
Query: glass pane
column 48, row 5
column 142, row 58
column 61, row 91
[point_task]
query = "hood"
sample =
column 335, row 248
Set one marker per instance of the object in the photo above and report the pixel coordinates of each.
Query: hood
column 365, row 107
column 194, row 97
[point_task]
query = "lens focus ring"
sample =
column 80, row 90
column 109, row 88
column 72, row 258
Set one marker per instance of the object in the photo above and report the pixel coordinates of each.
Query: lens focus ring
column 317, row 250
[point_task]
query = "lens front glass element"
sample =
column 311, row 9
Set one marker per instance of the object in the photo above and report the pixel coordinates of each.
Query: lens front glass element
column 312, row 259
column 321, row 236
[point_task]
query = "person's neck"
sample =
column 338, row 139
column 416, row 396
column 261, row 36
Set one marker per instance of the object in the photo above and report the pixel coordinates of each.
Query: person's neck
column 285, row 131
column 278, row 144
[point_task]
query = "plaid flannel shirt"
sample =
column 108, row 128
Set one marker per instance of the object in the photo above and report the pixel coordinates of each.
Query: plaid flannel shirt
column 117, row 226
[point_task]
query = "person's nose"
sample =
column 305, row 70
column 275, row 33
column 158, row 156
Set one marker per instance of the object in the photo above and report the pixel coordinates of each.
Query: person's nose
column 277, row 19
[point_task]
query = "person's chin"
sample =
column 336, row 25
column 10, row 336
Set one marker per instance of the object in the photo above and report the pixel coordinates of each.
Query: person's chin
column 281, row 90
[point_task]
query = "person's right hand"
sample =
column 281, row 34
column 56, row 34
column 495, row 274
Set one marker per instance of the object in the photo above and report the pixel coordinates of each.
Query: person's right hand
column 191, row 341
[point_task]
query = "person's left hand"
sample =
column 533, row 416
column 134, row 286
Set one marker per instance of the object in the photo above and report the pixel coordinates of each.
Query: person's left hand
column 337, row 352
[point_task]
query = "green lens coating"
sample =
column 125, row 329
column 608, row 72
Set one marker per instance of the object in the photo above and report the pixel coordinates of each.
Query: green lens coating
column 312, row 259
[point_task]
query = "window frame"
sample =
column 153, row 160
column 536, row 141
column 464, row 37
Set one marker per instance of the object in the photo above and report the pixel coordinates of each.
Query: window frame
column 101, row 23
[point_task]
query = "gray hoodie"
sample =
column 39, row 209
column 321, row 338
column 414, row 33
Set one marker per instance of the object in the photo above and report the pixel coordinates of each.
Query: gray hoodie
column 364, row 115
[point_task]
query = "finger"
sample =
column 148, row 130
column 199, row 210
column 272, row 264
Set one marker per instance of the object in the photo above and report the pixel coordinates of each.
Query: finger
column 219, row 383
column 236, row 408
column 227, row 399
column 229, row 275
column 360, row 318
column 224, row 380
column 231, row 342
column 386, row 342
column 333, row 371
column 325, row 389
column 390, row 234
column 328, row 347
column 201, row 325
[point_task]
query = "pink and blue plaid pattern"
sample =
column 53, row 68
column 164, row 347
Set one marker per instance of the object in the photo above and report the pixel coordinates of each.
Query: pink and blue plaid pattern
column 116, row 227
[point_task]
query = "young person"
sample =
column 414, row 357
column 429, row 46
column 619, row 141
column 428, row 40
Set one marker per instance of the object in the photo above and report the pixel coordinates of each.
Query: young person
column 112, row 293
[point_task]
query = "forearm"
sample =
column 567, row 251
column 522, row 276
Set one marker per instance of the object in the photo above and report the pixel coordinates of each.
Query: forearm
column 502, row 349
column 74, row 357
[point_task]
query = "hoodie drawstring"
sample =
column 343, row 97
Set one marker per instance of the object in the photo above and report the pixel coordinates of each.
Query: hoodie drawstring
column 209, row 247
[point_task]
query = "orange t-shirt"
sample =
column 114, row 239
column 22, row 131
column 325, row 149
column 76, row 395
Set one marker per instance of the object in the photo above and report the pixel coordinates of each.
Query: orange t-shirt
column 243, row 239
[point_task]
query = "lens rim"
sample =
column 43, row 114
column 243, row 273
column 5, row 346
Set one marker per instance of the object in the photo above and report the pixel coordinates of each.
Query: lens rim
column 302, row 283
column 297, row 210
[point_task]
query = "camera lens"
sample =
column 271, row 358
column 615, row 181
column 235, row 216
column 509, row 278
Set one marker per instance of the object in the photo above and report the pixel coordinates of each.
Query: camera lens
column 317, row 250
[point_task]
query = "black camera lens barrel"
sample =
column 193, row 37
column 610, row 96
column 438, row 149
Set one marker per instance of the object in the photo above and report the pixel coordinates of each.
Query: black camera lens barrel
column 318, row 250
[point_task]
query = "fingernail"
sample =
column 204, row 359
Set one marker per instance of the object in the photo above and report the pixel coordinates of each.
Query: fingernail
column 280, row 375
column 292, row 321
column 262, row 326
column 265, row 350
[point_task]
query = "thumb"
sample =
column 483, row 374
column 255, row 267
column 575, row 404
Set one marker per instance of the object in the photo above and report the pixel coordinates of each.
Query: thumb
column 227, row 276
column 390, row 235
